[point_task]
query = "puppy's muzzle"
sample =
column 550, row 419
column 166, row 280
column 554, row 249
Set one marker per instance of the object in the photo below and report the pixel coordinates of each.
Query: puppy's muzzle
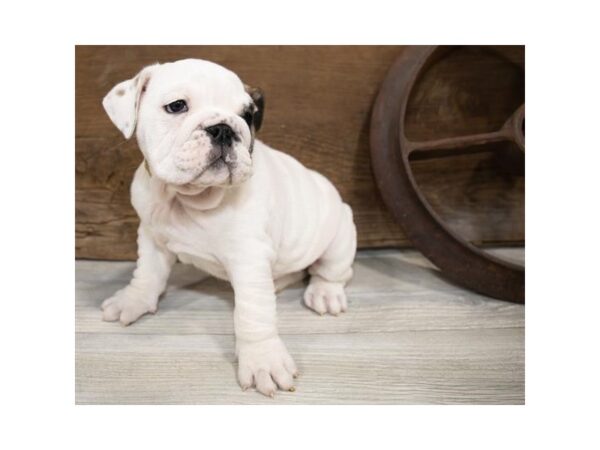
column 221, row 134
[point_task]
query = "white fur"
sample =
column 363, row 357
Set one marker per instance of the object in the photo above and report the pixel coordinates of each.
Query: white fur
column 257, row 222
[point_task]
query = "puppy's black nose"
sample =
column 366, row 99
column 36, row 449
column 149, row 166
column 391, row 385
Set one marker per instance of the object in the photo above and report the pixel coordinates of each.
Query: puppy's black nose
column 221, row 134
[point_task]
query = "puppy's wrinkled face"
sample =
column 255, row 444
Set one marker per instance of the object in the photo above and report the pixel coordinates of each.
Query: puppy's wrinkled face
column 195, row 122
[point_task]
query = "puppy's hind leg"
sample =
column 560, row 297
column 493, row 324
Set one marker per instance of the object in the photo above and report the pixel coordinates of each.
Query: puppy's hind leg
column 331, row 272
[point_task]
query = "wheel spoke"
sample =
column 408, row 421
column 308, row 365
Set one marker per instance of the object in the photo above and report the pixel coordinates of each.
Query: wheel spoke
column 455, row 145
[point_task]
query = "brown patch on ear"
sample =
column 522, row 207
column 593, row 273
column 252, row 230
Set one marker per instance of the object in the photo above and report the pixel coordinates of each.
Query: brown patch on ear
column 257, row 96
column 138, row 99
column 121, row 92
column 145, row 81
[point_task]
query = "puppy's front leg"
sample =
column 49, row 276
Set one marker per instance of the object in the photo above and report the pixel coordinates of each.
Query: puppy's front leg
column 149, row 280
column 263, row 360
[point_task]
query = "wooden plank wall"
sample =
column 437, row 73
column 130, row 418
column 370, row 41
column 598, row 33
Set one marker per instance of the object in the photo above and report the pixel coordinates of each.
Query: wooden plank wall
column 319, row 101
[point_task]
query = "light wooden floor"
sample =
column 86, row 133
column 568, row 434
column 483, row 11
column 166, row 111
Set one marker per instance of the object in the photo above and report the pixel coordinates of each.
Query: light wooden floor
column 409, row 337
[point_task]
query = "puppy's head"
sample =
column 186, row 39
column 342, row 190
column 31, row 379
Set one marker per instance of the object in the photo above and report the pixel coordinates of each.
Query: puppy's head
column 194, row 121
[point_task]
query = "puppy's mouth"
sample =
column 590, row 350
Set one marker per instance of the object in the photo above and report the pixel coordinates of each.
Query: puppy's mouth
column 222, row 162
column 218, row 163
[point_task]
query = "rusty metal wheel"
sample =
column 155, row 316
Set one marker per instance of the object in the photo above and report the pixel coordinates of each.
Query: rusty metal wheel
column 391, row 151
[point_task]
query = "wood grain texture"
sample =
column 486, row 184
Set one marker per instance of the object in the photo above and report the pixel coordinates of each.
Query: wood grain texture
column 471, row 90
column 319, row 101
column 408, row 337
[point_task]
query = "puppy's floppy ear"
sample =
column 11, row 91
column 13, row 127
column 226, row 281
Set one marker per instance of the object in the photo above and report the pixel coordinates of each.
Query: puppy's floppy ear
column 259, row 100
column 122, row 102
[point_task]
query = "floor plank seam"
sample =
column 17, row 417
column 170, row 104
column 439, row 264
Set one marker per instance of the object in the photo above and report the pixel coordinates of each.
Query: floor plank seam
column 353, row 333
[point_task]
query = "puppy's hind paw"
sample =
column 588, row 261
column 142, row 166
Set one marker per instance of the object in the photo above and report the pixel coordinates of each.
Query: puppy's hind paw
column 324, row 296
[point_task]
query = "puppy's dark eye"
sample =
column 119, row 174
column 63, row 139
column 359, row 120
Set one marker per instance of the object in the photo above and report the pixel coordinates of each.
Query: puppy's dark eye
column 176, row 107
column 248, row 116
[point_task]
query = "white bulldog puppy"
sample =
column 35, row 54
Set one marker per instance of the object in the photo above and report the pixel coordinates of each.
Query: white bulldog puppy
column 210, row 194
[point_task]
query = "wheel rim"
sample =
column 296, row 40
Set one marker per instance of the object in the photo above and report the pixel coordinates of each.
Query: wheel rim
column 458, row 259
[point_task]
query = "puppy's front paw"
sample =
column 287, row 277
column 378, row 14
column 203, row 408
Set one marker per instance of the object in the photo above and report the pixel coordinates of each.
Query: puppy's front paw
column 325, row 296
column 266, row 365
column 127, row 306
